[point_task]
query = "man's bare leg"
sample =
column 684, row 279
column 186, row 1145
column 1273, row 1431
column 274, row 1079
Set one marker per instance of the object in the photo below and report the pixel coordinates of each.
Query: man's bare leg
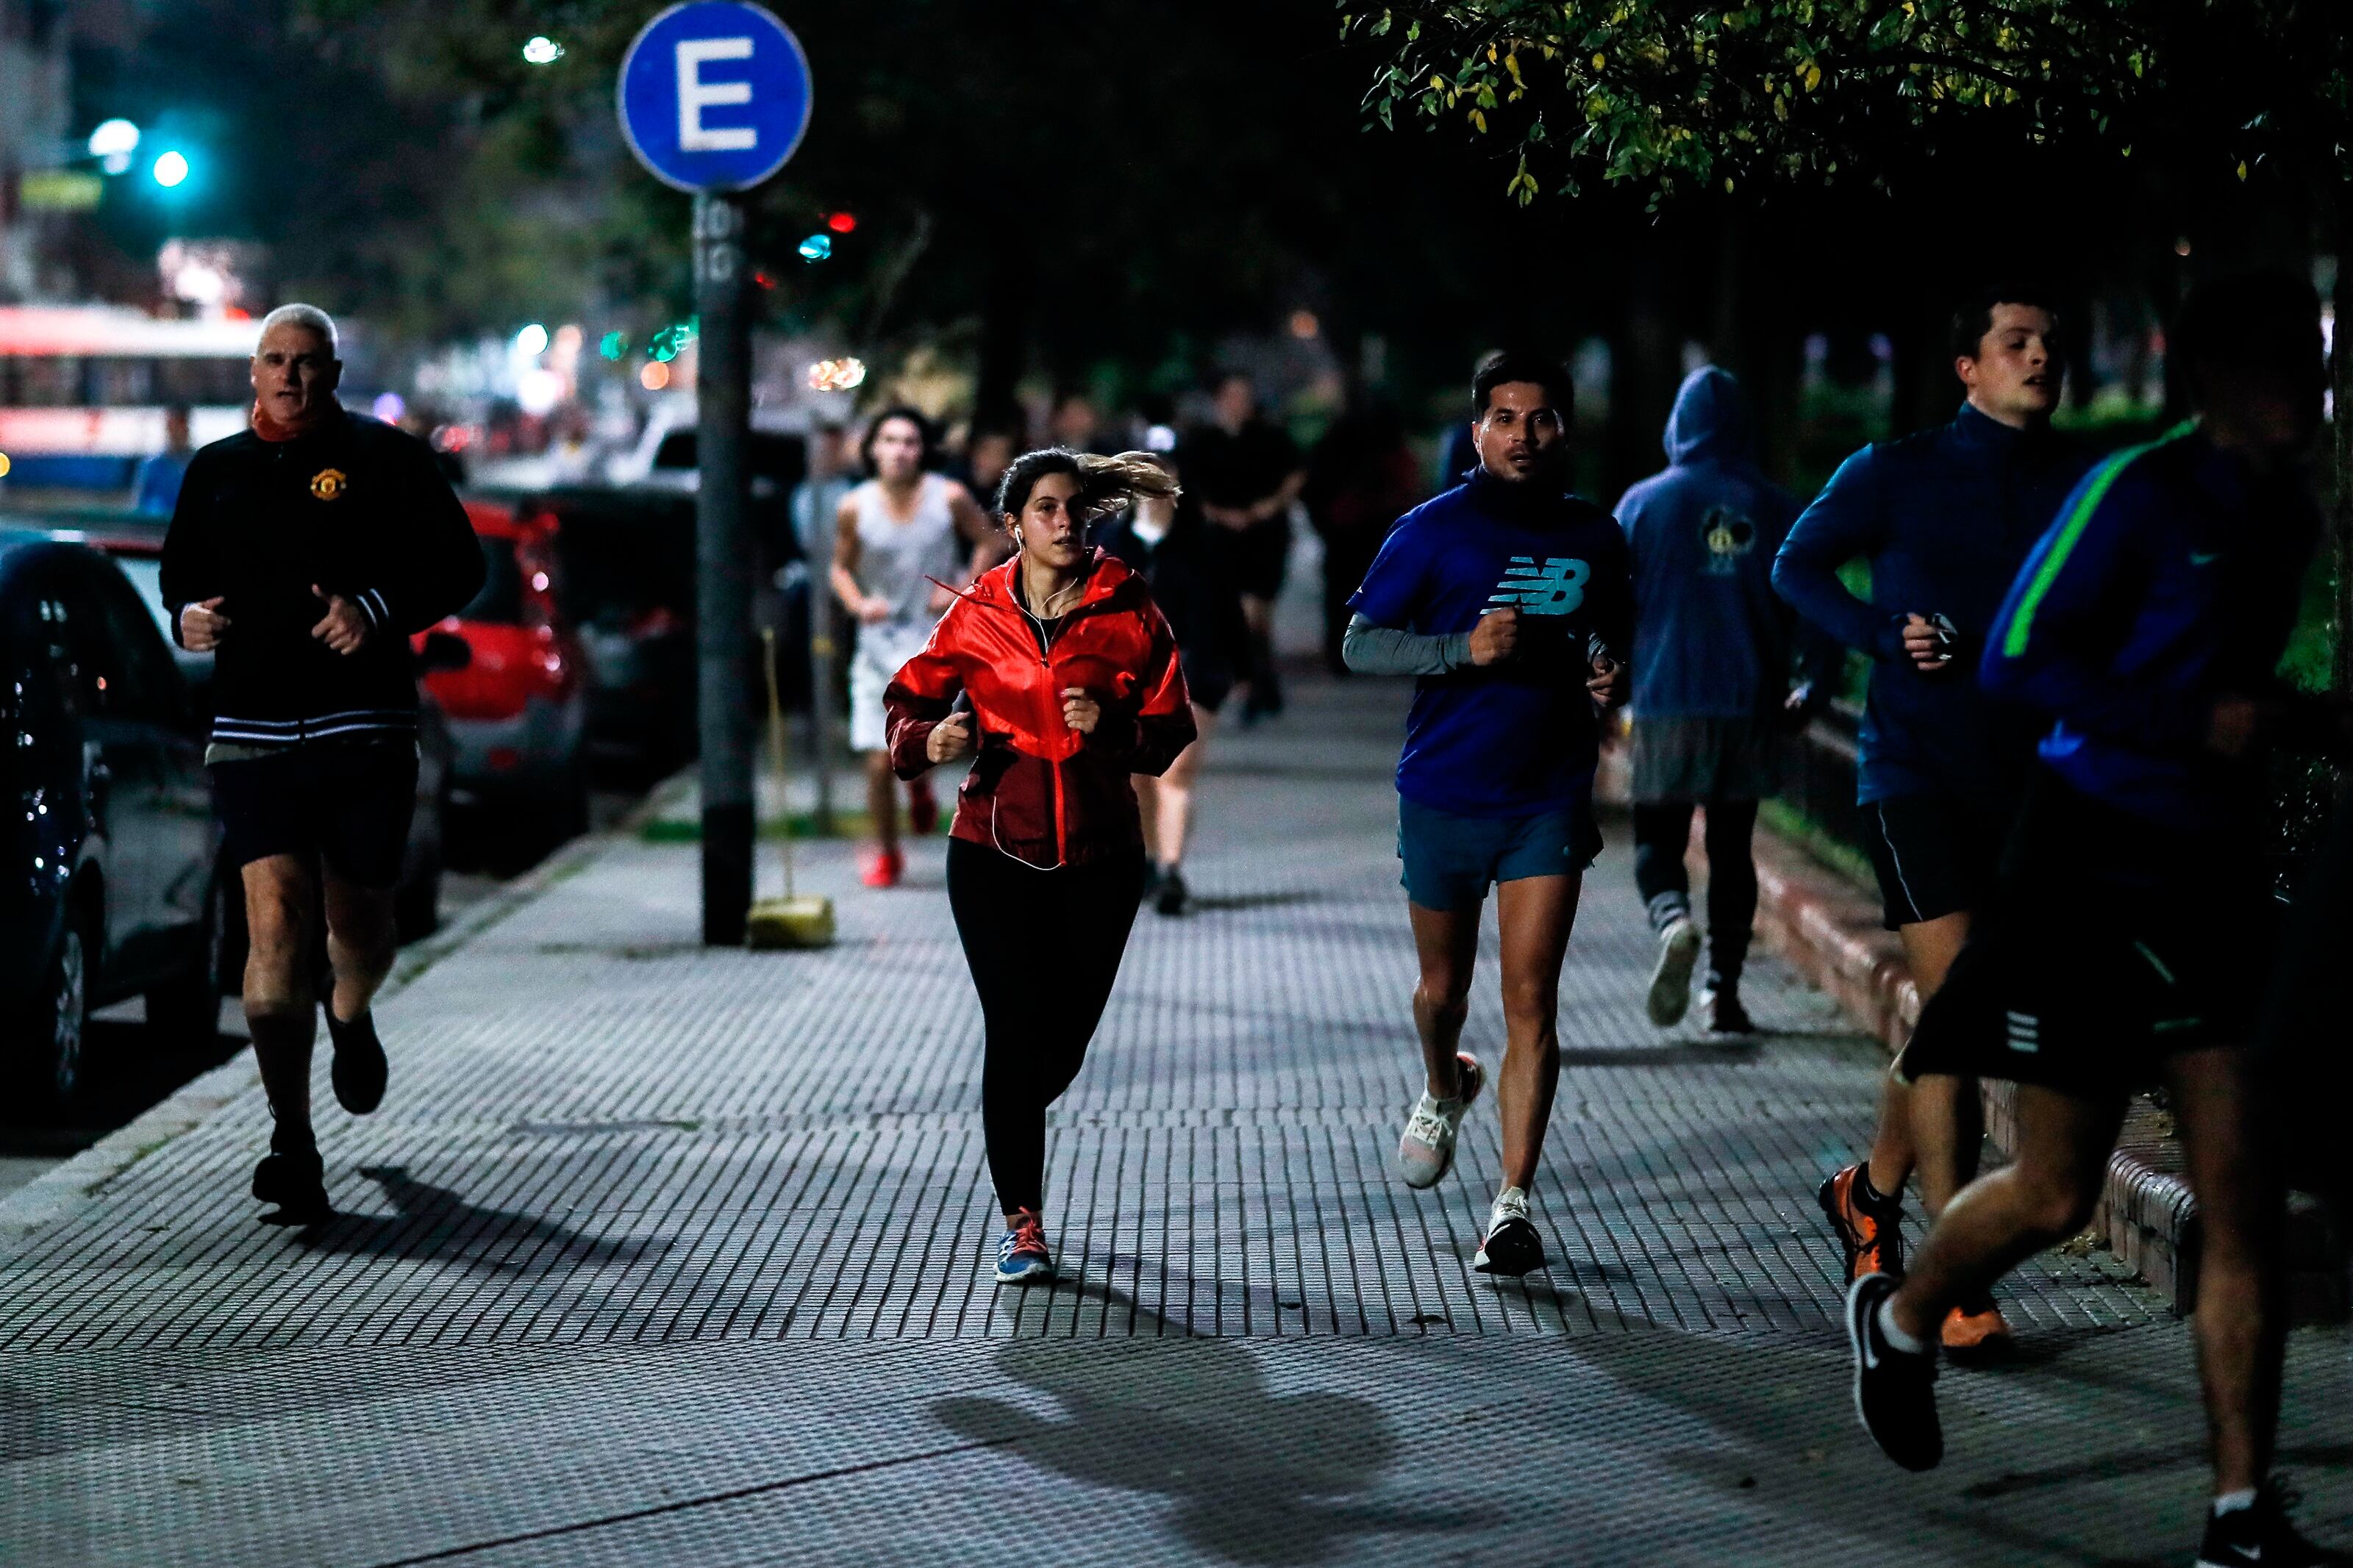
column 1446, row 944
column 1537, row 914
column 2238, row 1320
column 2001, row 1219
column 882, row 801
column 1936, row 1125
column 281, row 1004
column 361, row 941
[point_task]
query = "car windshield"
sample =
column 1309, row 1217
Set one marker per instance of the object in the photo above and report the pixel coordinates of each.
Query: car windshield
column 500, row 601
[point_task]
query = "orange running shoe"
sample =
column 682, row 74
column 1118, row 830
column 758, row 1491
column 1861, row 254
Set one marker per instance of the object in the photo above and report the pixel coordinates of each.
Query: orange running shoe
column 1872, row 1235
column 1976, row 1330
column 883, row 868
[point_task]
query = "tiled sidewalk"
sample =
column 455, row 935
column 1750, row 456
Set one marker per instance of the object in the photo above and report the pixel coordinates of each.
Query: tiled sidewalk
column 657, row 1254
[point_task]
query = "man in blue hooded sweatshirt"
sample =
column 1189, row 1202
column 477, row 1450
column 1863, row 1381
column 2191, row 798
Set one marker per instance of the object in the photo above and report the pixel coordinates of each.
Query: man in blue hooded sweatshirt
column 2129, row 935
column 1944, row 518
column 1712, row 662
column 1508, row 598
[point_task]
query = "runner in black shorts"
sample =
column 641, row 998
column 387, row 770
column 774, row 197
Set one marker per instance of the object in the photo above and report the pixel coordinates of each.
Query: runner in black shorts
column 1943, row 517
column 304, row 553
column 2127, row 938
column 1167, row 540
column 1246, row 473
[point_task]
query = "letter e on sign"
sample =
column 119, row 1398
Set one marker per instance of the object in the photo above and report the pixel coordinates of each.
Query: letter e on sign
column 714, row 95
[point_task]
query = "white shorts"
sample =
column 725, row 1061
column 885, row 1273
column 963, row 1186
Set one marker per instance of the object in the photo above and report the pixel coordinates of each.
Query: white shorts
column 881, row 649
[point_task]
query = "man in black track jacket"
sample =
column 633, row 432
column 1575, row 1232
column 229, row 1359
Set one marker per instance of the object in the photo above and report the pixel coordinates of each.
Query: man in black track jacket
column 304, row 554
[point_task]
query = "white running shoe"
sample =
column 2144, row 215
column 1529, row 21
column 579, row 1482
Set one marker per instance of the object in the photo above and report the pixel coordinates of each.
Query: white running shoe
column 1426, row 1152
column 1670, row 997
column 1512, row 1246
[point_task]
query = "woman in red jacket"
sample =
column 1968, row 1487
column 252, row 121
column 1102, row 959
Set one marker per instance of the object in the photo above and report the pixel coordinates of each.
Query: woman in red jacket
column 1070, row 677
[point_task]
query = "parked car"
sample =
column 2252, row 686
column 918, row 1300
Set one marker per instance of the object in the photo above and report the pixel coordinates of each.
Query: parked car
column 518, row 708
column 113, row 883
column 136, row 544
column 626, row 586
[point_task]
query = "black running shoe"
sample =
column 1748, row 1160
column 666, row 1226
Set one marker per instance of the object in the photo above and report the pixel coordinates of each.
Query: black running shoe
column 359, row 1069
column 1894, row 1391
column 1726, row 1019
column 1512, row 1247
column 2261, row 1537
column 295, row 1181
column 1151, row 883
column 1173, row 892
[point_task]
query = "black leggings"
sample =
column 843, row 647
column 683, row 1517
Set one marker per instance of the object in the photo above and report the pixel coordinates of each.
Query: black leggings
column 1044, row 948
column 1661, row 833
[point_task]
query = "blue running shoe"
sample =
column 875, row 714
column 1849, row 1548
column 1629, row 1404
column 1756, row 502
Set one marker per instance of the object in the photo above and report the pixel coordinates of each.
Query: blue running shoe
column 1021, row 1254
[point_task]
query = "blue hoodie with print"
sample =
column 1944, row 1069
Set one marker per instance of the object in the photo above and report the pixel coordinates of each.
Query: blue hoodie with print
column 1711, row 640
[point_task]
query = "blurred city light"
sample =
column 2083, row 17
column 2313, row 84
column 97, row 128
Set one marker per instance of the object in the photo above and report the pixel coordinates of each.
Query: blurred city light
column 665, row 345
column 837, row 375
column 390, row 406
column 171, row 170
column 817, row 248
column 1304, row 325
column 532, row 342
column 113, row 143
column 655, row 377
column 542, row 51
column 843, row 223
column 537, row 392
column 613, row 345
column 4, row 465
column 1160, row 438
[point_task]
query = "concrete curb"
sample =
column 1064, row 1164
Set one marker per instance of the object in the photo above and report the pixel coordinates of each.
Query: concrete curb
column 1829, row 930
column 59, row 1193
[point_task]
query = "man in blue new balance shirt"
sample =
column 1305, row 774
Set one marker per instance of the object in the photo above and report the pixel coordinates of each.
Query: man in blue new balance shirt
column 1508, row 598
column 1943, row 518
column 2129, row 936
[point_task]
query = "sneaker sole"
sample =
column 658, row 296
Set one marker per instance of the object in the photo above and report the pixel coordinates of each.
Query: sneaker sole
column 1854, row 1339
column 1026, row 1276
column 1670, row 997
column 1518, row 1254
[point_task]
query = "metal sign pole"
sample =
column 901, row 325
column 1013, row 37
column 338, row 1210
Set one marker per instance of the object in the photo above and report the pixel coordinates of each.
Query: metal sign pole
column 723, row 568
column 821, row 667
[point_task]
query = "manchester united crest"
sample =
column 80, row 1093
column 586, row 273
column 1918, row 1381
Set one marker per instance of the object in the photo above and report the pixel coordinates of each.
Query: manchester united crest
column 328, row 484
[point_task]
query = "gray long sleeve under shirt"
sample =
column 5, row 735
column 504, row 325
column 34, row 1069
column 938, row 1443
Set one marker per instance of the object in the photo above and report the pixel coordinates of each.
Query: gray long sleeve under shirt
column 1371, row 649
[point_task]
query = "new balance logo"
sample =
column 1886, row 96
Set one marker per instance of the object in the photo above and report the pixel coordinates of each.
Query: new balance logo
column 1554, row 587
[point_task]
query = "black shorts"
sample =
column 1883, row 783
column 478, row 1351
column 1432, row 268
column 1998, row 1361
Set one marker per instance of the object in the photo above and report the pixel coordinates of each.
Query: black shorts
column 349, row 805
column 1936, row 854
column 1260, row 556
column 2109, row 943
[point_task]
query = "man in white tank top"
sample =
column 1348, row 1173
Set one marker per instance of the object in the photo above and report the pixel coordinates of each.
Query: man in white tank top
column 897, row 538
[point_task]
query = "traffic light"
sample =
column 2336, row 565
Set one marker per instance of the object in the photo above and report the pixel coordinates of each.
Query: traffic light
column 841, row 223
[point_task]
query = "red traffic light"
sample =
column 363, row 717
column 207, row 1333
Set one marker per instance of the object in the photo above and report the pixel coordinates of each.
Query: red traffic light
column 841, row 223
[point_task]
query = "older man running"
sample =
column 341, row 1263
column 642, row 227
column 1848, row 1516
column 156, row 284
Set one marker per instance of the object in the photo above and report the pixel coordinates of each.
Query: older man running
column 303, row 553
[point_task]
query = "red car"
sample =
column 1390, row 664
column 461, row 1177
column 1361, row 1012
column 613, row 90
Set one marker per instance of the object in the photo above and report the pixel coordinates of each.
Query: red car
column 518, row 710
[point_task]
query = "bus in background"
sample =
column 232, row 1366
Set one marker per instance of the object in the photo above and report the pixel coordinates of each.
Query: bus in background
column 85, row 391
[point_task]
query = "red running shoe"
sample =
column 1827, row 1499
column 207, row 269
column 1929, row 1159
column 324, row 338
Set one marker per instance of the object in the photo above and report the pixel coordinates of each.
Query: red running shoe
column 883, row 868
column 923, row 809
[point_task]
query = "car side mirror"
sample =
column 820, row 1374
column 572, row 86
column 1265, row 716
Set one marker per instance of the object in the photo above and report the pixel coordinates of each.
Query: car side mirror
column 444, row 650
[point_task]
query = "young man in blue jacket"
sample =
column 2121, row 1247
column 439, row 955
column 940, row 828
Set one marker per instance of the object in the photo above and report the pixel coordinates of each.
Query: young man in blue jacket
column 1508, row 598
column 1943, row 518
column 1712, row 661
column 2129, row 938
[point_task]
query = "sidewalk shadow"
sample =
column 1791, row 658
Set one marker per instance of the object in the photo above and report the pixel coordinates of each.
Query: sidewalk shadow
column 434, row 1224
column 1254, row 1475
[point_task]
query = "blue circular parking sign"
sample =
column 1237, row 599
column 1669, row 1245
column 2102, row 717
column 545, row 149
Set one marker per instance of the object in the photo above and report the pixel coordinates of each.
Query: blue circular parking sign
column 714, row 95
